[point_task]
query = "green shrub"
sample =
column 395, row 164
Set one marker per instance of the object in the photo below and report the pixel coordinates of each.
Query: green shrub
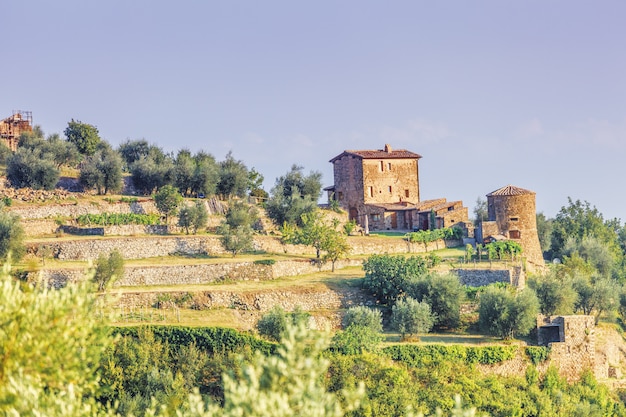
column 537, row 354
column 265, row 262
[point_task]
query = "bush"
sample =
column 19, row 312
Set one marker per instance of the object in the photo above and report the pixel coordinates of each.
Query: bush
column 506, row 314
column 410, row 317
column 355, row 340
column 388, row 277
column 364, row 317
column 108, row 270
column 273, row 324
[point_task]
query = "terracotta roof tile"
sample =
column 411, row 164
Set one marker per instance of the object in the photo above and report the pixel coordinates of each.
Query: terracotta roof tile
column 380, row 154
column 509, row 190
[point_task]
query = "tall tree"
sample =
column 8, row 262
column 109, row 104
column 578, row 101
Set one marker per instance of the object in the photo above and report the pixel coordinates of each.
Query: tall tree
column 294, row 195
column 167, row 201
column 205, row 175
column 505, row 314
column 84, row 136
column 103, row 171
column 233, row 179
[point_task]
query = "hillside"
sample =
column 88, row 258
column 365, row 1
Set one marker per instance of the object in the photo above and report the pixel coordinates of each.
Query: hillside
column 190, row 280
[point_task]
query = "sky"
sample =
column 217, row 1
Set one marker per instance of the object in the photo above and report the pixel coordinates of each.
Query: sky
column 529, row 93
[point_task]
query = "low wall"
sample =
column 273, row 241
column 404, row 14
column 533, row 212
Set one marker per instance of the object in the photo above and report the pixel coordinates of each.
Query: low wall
column 481, row 277
column 141, row 247
column 199, row 273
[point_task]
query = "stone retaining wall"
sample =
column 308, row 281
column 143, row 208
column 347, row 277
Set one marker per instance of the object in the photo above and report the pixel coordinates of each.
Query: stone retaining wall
column 481, row 277
column 141, row 247
column 199, row 273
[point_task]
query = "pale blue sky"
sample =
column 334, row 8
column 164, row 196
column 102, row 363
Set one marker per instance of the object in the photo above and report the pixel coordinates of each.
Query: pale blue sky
column 490, row 93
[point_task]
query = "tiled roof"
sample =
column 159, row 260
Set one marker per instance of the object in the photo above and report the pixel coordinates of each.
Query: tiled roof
column 509, row 190
column 380, row 154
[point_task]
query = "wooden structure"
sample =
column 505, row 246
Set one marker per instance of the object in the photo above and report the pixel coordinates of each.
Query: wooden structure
column 12, row 127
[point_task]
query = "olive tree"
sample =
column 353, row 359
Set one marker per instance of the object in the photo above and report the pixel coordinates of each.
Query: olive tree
column 410, row 317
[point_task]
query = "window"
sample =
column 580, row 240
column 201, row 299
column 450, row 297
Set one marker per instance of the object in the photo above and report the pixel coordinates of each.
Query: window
column 389, row 166
column 382, row 166
column 390, row 189
column 514, row 219
column 371, row 189
column 514, row 234
column 375, row 217
column 406, row 193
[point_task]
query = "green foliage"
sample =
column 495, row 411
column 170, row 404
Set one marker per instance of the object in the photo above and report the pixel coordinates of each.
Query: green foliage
column 444, row 293
column 387, row 277
column 50, row 347
column 273, row 325
column 32, row 168
column 289, row 383
column 555, row 295
column 364, row 317
column 236, row 229
column 11, row 237
column 117, row 219
column 544, row 232
column 167, row 201
column 504, row 313
column 84, row 136
column 432, row 355
column 240, row 213
column 317, row 231
column 102, row 171
column 233, row 178
column 268, row 262
column 355, row 340
column 255, row 185
column 349, row 227
column 596, row 295
column 537, row 354
column 294, row 195
column 212, row 340
column 108, row 269
column 410, row 317
column 236, row 240
column 194, row 217
column 504, row 249
column 579, row 220
column 152, row 171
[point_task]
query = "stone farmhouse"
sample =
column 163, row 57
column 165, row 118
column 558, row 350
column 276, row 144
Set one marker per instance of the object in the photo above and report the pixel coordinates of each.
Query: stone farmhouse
column 12, row 127
column 380, row 190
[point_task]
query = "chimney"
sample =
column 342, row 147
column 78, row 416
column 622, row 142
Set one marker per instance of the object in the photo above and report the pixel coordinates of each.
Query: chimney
column 387, row 148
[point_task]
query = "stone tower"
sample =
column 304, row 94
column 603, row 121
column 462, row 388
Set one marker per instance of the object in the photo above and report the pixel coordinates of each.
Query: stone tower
column 513, row 214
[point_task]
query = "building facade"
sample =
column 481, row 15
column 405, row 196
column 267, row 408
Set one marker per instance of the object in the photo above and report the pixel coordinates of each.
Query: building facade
column 380, row 190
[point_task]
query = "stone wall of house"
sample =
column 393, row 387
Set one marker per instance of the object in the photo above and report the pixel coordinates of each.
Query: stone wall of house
column 390, row 180
column 348, row 172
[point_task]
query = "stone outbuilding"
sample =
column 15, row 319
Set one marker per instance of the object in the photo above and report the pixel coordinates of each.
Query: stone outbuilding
column 512, row 215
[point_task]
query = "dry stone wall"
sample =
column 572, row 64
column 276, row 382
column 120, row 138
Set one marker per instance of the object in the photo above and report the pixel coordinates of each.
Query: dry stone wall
column 481, row 277
column 141, row 247
column 198, row 273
